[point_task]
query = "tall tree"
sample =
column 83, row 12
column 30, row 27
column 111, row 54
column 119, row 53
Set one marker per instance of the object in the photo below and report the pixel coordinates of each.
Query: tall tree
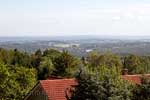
column 51, row 53
column 87, row 87
column 132, row 63
column 107, row 85
column 46, row 68
column 108, row 59
column 36, row 59
column 65, row 64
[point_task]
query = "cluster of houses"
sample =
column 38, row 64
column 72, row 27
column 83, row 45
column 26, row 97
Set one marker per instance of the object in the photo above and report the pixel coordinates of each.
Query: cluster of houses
column 54, row 88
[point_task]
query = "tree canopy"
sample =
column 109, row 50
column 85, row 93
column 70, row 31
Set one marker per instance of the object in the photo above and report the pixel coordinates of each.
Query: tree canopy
column 99, row 79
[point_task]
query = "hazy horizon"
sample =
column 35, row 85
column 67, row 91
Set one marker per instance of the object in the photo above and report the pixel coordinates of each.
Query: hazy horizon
column 75, row 37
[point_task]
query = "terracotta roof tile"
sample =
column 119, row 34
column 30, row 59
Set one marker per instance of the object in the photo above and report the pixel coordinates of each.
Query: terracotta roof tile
column 134, row 78
column 55, row 89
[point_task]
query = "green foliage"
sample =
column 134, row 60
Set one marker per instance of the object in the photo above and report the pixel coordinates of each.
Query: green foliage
column 137, row 64
column 65, row 64
column 25, row 78
column 99, row 80
column 36, row 59
column 113, row 87
column 145, row 64
column 93, row 59
column 4, row 77
column 131, row 63
column 20, row 58
column 107, row 59
column 142, row 91
column 38, row 53
column 16, row 82
column 51, row 53
column 5, row 56
column 104, row 85
column 87, row 88
column 46, row 68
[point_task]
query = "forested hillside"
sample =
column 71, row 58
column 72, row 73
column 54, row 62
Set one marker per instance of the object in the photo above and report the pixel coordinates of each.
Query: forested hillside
column 20, row 71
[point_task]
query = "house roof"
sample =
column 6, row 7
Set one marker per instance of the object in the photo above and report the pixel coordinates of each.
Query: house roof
column 55, row 89
column 135, row 78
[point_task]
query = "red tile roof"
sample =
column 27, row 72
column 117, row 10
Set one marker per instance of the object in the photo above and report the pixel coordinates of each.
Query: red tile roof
column 55, row 89
column 134, row 78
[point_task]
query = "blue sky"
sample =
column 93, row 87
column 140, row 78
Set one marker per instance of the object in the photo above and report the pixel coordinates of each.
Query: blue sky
column 74, row 17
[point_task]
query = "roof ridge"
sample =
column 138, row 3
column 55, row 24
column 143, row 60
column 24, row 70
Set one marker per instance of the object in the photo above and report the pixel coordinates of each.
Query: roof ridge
column 57, row 79
column 135, row 74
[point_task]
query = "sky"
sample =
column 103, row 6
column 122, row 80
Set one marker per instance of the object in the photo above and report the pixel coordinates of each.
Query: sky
column 74, row 17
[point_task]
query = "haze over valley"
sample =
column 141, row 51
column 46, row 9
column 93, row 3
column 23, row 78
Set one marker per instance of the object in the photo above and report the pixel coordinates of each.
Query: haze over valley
column 81, row 45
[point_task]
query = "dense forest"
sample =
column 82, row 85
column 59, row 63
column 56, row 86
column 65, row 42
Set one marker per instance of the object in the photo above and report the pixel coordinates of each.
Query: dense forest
column 20, row 71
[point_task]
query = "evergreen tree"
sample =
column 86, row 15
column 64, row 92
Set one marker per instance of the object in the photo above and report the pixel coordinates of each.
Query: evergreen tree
column 107, row 59
column 36, row 59
column 45, row 69
column 65, row 64
column 104, row 85
column 51, row 53
column 133, row 64
column 87, row 88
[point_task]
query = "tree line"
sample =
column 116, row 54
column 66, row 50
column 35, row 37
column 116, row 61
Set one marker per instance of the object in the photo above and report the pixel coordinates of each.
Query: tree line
column 19, row 71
